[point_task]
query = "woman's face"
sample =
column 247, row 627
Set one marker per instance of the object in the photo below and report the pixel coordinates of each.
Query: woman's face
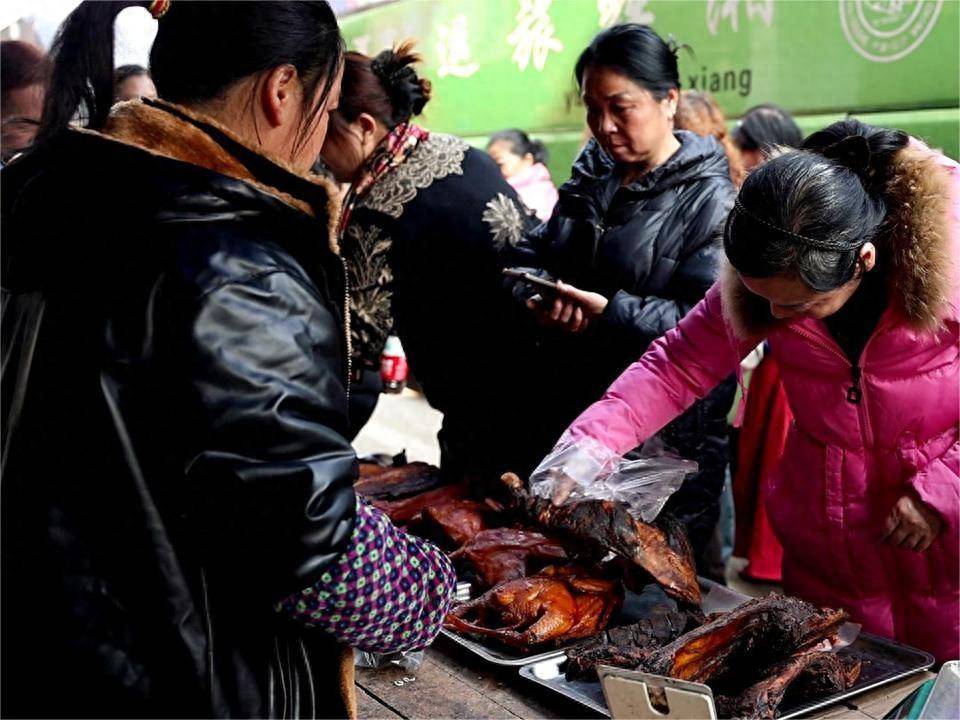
column 791, row 299
column 307, row 155
column 628, row 122
column 510, row 163
column 344, row 151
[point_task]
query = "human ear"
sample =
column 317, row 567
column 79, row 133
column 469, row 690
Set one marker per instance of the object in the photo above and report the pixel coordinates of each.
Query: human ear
column 670, row 102
column 868, row 256
column 279, row 95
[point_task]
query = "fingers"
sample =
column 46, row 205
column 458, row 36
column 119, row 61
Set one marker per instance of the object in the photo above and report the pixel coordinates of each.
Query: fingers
column 567, row 313
column 534, row 302
column 890, row 525
column 577, row 322
column 572, row 293
column 925, row 543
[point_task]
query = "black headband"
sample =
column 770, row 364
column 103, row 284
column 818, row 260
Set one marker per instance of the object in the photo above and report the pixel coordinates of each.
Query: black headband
column 741, row 211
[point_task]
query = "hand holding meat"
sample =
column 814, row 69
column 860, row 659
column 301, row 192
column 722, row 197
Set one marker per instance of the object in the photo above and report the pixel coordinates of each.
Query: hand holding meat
column 912, row 524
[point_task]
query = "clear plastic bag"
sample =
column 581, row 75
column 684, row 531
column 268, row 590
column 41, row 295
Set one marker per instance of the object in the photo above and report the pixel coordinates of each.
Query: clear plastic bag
column 408, row 660
column 585, row 469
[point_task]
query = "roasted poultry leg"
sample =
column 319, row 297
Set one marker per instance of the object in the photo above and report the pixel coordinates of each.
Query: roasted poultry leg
column 603, row 525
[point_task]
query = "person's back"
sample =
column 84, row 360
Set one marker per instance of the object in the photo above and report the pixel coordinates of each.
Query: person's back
column 426, row 224
column 176, row 481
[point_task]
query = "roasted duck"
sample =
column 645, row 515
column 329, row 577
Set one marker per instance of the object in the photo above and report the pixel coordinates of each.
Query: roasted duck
column 410, row 510
column 599, row 526
column 806, row 676
column 503, row 554
column 760, row 632
column 456, row 521
column 381, row 483
column 628, row 645
column 532, row 611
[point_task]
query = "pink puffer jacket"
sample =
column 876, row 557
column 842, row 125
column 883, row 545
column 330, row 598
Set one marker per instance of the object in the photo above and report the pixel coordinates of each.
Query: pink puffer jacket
column 846, row 463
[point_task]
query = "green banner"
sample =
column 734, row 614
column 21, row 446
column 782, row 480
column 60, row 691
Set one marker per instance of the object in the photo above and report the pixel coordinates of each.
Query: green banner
column 509, row 63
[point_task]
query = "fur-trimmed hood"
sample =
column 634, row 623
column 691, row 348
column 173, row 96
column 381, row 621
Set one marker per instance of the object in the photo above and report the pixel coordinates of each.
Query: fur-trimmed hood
column 917, row 240
column 175, row 132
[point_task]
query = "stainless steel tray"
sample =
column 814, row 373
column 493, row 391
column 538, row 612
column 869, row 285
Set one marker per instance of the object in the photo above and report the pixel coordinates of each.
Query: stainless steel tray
column 884, row 661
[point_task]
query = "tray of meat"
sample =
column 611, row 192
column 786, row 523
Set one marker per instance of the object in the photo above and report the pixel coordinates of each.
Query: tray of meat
column 773, row 657
column 534, row 598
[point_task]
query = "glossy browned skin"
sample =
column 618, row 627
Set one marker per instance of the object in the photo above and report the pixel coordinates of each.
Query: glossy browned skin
column 409, row 510
column 502, row 554
column 456, row 521
column 535, row 610
column 605, row 525
column 390, row 483
column 759, row 632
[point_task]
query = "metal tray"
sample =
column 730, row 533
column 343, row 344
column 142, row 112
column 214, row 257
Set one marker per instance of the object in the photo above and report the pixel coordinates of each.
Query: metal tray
column 884, row 661
column 635, row 607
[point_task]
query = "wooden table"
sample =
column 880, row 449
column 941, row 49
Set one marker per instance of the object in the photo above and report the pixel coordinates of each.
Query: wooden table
column 451, row 683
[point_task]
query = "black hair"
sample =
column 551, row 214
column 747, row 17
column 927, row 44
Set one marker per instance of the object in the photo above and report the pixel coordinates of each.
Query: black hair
column 808, row 212
column 200, row 51
column 765, row 126
column 637, row 52
column 521, row 144
column 386, row 87
column 125, row 72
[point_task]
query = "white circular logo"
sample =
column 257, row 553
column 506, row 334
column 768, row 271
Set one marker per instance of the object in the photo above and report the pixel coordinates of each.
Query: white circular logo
column 887, row 30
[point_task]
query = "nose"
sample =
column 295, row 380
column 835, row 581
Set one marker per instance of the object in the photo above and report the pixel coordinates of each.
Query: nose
column 607, row 126
column 781, row 313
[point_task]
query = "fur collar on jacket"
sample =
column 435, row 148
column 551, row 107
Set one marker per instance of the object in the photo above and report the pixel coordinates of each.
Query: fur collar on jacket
column 916, row 238
column 175, row 132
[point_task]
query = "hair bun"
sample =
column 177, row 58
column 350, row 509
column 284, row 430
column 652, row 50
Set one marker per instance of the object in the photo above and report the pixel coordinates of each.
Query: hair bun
column 852, row 152
column 408, row 92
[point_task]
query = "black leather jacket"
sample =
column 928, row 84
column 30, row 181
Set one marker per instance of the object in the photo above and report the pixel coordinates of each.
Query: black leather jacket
column 174, row 408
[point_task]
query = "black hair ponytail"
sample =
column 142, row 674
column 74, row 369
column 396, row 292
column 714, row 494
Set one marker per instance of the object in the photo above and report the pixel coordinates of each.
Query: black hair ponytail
column 201, row 49
column 81, row 82
column 408, row 93
column 808, row 212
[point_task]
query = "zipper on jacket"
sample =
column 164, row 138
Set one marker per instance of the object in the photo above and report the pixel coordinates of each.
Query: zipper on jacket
column 346, row 325
column 855, row 393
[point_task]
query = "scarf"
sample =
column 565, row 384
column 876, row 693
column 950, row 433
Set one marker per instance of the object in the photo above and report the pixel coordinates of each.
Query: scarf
column 392, row 151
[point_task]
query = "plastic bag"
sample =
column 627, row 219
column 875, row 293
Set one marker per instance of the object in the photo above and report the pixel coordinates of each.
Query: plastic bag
column 585, row 469
column 407, row 660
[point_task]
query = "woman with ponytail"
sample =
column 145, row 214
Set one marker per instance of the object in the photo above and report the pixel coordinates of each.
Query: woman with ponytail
column 843, row 255
column 423, row 228
column 181, row 536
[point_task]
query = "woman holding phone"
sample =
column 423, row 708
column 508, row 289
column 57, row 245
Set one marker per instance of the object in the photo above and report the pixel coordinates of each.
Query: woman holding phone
column 638, row 224
column 843, row 255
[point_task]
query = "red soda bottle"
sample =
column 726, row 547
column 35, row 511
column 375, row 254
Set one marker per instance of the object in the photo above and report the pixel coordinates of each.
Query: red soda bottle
column 393, row 366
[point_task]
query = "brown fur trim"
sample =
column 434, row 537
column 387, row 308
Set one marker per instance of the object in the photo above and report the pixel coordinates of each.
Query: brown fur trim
column 915, row 238
column 748, row 314
column 346, row 681
column 161, row 133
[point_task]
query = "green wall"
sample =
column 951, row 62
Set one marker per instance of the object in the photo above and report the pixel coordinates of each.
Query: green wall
column 508, row 63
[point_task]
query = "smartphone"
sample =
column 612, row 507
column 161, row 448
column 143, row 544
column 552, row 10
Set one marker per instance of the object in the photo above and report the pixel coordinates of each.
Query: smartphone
column 535, row 280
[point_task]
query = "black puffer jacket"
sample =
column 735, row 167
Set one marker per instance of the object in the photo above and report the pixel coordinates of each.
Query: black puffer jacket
column 652, row 248
column 174, row 410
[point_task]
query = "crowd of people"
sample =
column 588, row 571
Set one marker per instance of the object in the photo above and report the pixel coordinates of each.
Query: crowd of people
column 194, row 309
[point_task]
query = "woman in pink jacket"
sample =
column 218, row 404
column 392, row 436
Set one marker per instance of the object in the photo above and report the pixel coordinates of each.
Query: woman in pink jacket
column 843, row 256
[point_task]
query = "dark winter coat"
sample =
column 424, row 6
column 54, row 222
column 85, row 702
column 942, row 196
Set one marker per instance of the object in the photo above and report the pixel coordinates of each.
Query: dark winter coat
column 652, row 248
column 425, row 253
column 174, row 411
